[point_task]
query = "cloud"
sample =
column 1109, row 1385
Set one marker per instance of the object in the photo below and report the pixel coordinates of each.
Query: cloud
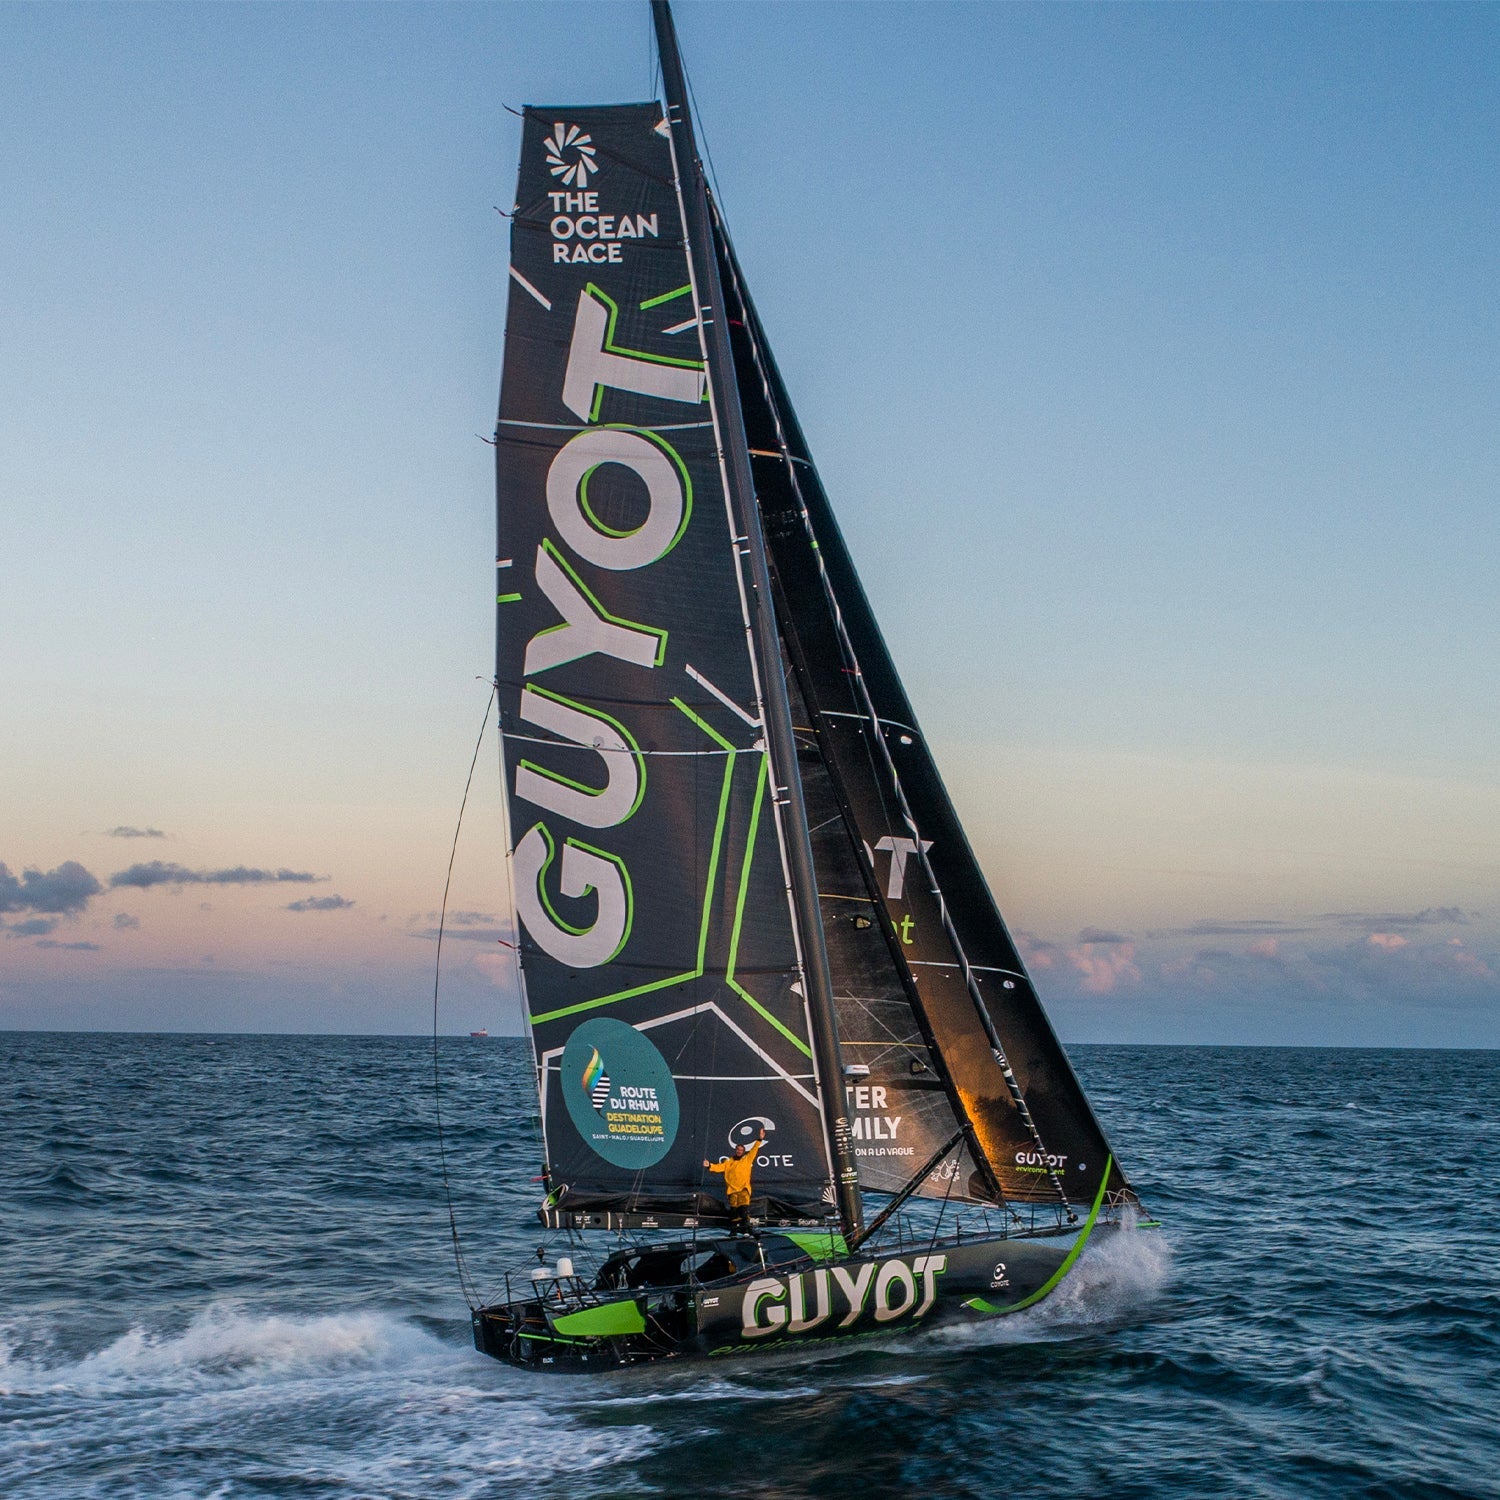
column 161, row 872
column 1194, row 971
column 1379, row 968
column 1105, row 962
column 125, row 832
column 1037, row 952
column 465, row 935
column 320, row 903
column 67, row 889
column 465, row 918
column 77, row 947
column 1266, row 947
column 32, row 927
column 1098, row 935
column 1427, row 917
column 1468, row 964
column 123, row 919
column 1250, row 927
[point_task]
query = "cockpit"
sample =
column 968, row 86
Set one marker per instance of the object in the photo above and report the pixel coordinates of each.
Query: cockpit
column 701, row 1262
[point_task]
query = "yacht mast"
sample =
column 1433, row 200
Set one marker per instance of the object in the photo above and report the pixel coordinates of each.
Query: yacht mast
column 780, row 738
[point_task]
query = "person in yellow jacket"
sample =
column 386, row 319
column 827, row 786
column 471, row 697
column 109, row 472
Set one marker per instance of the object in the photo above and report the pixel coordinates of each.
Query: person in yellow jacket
column 737, row 1170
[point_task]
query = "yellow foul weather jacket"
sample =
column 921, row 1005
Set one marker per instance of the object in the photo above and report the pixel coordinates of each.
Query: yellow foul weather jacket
column 736, row 1172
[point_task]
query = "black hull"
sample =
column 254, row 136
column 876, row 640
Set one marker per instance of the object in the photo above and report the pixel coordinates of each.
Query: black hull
column 811, row 1303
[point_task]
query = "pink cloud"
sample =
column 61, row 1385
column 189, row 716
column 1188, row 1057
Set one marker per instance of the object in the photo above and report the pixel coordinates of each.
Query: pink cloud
column 1468, row 963
column 1036, row 953
column 497, row 965
column 1264, row 947
column 1105, row 965
column 1389, row 941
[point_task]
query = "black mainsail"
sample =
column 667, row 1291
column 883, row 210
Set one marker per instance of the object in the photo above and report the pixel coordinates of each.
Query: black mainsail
column 661, row 956
column 746, row 904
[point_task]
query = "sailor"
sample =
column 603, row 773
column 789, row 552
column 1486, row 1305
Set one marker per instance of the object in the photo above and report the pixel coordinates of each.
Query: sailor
column 737, row 1170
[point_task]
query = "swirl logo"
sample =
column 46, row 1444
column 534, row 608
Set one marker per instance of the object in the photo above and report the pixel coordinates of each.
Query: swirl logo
column 596, row 1080
column 570, row 154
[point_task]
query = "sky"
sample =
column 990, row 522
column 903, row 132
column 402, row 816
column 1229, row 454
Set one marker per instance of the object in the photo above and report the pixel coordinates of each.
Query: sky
column 1150, row 357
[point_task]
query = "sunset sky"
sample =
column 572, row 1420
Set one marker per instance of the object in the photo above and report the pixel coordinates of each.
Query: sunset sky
column 1151, row 356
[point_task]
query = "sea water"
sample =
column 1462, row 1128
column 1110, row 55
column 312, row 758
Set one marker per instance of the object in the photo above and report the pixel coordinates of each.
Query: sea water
column 226, row 1271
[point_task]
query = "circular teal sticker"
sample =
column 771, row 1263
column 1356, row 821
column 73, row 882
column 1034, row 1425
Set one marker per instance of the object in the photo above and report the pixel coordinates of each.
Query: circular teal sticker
column 620, row 1093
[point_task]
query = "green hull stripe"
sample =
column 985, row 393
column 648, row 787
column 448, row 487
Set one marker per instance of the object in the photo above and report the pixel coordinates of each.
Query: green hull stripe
column 610, row 1320
column 980, row 1305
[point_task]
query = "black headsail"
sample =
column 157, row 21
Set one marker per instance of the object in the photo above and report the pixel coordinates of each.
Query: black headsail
column 934, row 998
column 662, row 963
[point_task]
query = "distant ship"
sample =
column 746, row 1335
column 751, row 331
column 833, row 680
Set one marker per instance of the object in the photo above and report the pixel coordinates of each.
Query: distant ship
column 481, row 1032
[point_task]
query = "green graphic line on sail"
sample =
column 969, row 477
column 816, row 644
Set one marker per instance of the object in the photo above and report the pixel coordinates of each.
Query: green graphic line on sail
column 739, row 916
column 980, row 1305
column 731, row 755
column 681, row 291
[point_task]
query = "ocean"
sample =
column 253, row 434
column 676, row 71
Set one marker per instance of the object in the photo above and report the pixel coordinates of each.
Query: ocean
column 225, row 1271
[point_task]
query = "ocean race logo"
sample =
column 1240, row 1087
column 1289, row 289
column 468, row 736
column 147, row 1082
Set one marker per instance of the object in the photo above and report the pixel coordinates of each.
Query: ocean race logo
column 583, row 232
column 570, row 154
column 620, row 1094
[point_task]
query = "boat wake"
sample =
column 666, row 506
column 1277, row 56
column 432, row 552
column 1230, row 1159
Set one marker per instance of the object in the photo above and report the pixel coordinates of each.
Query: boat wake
column 365, row 1403
column 222, row 1348
column 1116, row 1281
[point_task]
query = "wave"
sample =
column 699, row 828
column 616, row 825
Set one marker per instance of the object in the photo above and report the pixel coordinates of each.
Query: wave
column 226, row 1345
column 362, row 1402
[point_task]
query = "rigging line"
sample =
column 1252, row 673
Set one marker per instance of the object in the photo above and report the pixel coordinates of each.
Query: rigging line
column 465, row 1281
column 943, row 1209
column 705, row 156
column 847, row 646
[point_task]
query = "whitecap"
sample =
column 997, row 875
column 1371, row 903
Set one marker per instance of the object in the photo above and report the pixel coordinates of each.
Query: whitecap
column 364, row 1402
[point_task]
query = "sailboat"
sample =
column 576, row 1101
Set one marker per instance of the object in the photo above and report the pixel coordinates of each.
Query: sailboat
column 748, row 915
